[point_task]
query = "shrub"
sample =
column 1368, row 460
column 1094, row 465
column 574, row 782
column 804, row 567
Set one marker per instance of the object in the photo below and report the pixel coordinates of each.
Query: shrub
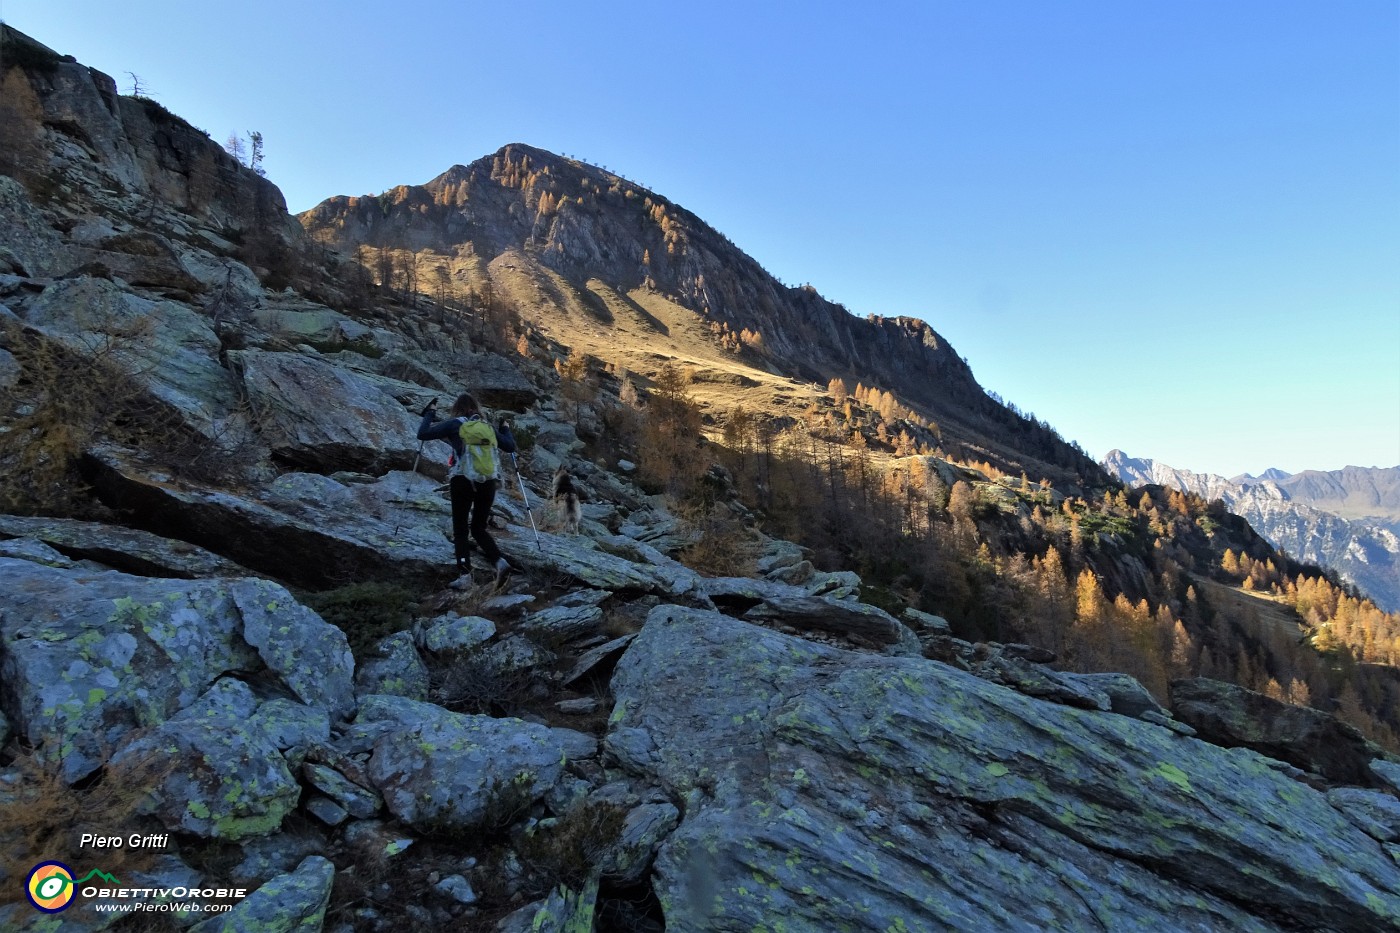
column 366, row 612
column 669, row 452
column 70, row 400
column 40, row 813
column 725, row 548
column 473, row 683
column 569, row 850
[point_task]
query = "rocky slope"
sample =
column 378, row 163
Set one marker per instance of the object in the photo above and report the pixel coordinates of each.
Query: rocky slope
column 606, row 253
column 1344, row 521
column 612, row 740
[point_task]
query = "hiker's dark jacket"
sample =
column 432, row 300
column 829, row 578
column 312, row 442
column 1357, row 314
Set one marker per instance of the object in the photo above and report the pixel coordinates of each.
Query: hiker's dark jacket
column 450, row 431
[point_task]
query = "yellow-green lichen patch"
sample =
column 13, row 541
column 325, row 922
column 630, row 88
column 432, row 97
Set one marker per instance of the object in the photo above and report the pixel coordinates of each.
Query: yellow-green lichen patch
column 1172, row 773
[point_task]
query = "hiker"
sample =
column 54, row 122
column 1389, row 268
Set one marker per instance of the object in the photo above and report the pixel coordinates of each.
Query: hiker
column 476, row 468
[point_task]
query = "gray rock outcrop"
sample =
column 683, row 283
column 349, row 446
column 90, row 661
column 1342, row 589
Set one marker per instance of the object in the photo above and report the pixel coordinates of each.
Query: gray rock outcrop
column 228, row 779
column 439, row 770
column 323, row 418
column 88, row 656
column 291, row 903
column 1230, row 715
column 851, row 790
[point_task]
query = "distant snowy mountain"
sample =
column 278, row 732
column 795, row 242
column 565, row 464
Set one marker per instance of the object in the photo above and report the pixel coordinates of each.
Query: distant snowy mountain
column 1272, row 473
column 1347, row 520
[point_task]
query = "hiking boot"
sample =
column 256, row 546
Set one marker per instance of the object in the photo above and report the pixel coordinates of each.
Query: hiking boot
column 503, row 570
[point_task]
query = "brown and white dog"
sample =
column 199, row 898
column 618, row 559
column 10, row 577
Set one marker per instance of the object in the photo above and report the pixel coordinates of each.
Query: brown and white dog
column 566, row 495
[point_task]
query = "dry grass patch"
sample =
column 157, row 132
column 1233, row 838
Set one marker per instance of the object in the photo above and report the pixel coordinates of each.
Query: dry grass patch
column 43, row 817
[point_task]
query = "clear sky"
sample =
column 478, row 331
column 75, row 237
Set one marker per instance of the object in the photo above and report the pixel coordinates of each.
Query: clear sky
column 1168, row 227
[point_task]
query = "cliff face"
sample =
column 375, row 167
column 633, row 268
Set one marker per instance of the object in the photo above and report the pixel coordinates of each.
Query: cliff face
column 585, row 225
column 135, row 191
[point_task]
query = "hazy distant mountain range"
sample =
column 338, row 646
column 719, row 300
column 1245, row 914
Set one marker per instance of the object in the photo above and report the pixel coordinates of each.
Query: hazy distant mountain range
column 1347, row 520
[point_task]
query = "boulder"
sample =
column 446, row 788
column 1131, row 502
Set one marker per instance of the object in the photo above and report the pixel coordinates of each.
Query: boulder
column 581, row 560
column 25, row 236
column 1306, row 738
column 778, row 554
column 457, row 888
column 564, row 911
column 861, row 624
column 794, row 574
column 88, row 656
column 307, row 323
column 266, row 857
column 1126, row 696
column 1377, row 814
column 126, row 549
column 138, row 257
column 326, row 810
column 924, row 623
column 396, row 669
column 561, row 623
column 322, row 417
column 512, row 656
column 291, row 903
column 358, row 801
column 169, row 351
column 307, row 529
column 838, row 583
column 496, row 382
column 36, row 551
column 441, row 770
column 293, row 726
column 9, row 372
column 310, row 655
column 457, row 633
column 592, row 658
column 644, row 828
column 748, row 592
column 662, row 530
column 847, row 790
column 227, row 779
column 1386, row 774
column 1041, row 682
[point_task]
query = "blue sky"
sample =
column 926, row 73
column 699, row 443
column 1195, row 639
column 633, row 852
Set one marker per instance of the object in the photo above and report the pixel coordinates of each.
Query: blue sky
column 1169, row 227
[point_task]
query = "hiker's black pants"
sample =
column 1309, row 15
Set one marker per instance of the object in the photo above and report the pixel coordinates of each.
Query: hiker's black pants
column 471, row 508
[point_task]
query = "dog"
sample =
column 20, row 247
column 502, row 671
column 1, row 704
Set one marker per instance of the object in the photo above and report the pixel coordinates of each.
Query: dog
column 564, row 492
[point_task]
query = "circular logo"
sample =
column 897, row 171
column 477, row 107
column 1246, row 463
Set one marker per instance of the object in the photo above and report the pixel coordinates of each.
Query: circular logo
column 50, row 886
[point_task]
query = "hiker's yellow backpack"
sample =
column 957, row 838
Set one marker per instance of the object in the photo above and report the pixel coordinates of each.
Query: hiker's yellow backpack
column 482, row 460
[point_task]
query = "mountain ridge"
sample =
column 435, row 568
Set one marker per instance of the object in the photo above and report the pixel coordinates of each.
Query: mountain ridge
column 584, row 224
column 1299, row 513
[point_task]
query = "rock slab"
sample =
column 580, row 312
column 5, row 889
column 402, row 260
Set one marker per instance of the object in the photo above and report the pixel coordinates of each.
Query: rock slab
column 846, row 790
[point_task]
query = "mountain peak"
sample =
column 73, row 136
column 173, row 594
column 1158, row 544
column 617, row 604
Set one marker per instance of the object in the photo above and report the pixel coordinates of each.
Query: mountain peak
column 579, row 237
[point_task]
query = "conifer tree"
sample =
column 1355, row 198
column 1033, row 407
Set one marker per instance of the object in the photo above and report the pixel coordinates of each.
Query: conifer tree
column 671, row 436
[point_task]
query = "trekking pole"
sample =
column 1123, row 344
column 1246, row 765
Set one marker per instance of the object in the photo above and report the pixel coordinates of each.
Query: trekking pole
column 516, row 466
